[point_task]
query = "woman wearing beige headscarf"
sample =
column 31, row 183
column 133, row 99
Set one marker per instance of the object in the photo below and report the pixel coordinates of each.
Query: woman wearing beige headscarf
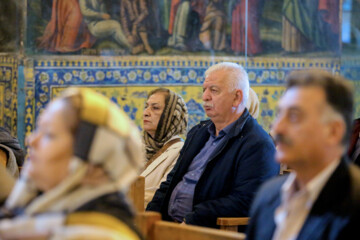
column 165, row 118
column 83, row 156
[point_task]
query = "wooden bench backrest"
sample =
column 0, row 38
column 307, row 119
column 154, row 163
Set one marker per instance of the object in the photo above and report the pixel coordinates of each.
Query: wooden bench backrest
column 174, row 231
column 145, row 222
column 136, row 193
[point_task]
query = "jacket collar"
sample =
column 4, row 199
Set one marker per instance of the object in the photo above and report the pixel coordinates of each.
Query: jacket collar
column 333, row 199
column 235, row 127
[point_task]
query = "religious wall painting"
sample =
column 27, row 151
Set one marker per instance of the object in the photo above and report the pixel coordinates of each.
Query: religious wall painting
column 350, row 28
column 307, row 27
column 184, row 27
column 10, row 25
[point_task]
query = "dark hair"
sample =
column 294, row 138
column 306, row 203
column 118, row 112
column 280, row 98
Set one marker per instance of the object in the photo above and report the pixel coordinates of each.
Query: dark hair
column 12, row 143
column 338, row 92
column 160, row 90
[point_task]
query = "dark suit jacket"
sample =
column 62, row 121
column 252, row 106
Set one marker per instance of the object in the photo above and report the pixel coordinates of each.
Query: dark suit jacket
column 334, row 215
column 353, row 139
column 231, row 178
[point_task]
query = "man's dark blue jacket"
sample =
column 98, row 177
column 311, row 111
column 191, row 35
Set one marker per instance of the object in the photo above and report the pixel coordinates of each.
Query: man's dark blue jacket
column 231, row 178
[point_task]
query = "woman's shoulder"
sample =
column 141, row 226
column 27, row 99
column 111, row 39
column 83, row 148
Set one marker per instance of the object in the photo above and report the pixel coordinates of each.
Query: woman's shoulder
column 178, row 143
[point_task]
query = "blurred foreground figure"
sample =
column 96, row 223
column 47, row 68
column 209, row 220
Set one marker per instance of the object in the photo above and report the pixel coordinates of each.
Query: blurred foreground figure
column 84, row 154
column 6, row 183
column 320, row 199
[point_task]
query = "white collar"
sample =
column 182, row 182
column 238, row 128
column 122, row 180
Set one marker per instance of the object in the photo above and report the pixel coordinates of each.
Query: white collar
column 313, row 188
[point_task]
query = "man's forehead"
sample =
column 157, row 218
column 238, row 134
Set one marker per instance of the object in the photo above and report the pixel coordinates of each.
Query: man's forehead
column 214, row 80
column 302, row 97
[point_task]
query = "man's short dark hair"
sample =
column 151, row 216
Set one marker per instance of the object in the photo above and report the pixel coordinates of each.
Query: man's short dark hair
column 338, row 92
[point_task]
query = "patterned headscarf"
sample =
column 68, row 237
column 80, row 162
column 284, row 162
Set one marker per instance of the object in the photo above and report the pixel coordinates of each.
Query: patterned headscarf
column 105, row 137
column 15, row 155
column 173, row 121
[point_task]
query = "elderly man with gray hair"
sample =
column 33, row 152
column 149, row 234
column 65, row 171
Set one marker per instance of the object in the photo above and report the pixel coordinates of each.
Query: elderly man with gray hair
column 224, row 160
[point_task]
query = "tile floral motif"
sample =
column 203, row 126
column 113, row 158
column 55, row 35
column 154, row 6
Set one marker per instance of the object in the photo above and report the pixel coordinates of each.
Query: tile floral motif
column 127, row 81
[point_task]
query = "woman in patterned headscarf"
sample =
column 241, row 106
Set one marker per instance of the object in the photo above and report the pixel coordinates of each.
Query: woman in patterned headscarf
column 165, row 117
column 83, row 156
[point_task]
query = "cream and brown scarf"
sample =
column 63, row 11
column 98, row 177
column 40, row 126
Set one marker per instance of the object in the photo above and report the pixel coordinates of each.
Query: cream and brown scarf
column 173, row 121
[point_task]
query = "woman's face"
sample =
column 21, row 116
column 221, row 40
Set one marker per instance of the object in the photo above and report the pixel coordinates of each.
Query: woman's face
column 50, row 147
column 154, row 107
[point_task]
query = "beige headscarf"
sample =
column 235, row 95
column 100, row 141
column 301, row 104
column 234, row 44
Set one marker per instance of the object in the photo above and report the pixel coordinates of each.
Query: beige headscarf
column 105, row 137
column 253, row 104
column 173, row 121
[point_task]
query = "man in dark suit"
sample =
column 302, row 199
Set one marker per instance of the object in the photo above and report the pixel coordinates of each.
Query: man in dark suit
column 320, row 199
column 354, row 144
column 223, row 161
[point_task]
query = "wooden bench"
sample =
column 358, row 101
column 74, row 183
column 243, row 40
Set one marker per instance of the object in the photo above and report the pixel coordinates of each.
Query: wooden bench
column 150, row 224
column 136, row 193
column 232, row 224
column 145, row 222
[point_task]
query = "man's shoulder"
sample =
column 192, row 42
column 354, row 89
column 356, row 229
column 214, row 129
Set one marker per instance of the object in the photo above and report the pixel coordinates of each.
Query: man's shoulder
column 355, row 180
column 253, row 126
column 201, row 126
column 254, row 133
column 271, row 189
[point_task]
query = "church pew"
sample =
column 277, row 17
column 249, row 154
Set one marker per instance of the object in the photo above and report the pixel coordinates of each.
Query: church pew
column 174, row 231
column 232, row 224
column 136, row 193
column 145, row 222
column 151, row 226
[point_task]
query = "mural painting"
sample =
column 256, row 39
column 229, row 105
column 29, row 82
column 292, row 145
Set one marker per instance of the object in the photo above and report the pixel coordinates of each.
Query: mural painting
column 10, row 25
column 183, row 27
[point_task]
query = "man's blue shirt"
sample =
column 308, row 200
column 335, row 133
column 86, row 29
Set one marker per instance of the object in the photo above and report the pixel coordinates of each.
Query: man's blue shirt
column 181, row 201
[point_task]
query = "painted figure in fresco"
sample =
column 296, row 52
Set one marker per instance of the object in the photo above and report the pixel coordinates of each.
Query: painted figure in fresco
column 355, row 23
column 238, row 26
column 163, row 9
column 310, row 25
column 185, row 17
column 213, row 30
column 134, row 19
column 66, row 30
column 8, row 24
column 100, row 23
column 159, row 15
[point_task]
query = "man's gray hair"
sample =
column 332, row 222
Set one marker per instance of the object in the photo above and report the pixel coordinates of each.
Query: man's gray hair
column 237, row 78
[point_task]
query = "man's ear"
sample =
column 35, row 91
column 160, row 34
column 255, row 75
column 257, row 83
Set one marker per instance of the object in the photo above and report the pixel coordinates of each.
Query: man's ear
column 238, row 99
column 336, row 132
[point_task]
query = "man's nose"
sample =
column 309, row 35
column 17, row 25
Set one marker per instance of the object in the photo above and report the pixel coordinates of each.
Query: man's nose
column 279, row 124
column 206, row 96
